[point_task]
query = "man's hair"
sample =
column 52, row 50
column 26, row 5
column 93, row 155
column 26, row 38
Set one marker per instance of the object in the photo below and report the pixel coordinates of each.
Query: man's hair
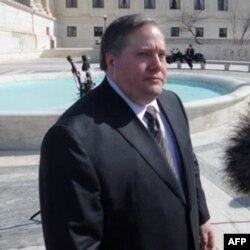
column 115, row 36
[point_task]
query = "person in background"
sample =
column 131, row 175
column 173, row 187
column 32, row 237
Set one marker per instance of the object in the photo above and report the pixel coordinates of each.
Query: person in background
column 189, row 56
column 117, row 170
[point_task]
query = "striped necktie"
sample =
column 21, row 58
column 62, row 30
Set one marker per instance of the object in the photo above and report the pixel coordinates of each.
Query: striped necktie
column 155, row 130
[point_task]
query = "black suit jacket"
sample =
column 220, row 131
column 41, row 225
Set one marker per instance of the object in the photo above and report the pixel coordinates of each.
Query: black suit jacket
column 104, row 183
column 190, row 52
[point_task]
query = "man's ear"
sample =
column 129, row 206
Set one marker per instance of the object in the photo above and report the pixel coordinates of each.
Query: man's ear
column 110, row 59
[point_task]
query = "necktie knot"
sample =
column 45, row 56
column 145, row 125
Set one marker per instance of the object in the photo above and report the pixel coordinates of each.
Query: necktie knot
column 151, row 112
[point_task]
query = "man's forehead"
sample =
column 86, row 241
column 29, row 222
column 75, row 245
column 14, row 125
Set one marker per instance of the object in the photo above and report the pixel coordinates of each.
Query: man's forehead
column 146, row 33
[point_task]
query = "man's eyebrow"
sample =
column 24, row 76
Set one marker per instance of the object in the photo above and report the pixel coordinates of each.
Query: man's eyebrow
column 150, row 49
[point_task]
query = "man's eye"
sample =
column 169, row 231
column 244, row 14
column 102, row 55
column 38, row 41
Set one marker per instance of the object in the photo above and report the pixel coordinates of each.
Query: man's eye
column 143, row 54
column 162, row 56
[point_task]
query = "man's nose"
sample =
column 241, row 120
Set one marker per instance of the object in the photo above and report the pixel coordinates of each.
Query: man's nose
column 156, row 62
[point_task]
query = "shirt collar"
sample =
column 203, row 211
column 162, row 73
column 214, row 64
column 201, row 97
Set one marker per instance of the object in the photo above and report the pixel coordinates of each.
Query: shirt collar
column 139, row 110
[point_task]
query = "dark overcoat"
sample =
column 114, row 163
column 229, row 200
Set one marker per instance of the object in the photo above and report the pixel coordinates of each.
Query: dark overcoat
column 104, row 183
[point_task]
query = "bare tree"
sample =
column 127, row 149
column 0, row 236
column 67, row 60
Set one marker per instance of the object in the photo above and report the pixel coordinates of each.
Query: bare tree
column 189, row 20
column 245, row 31
column 240, row 25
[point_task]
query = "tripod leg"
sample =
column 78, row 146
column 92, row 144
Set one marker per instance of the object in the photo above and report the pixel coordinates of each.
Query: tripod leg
column 34, row 215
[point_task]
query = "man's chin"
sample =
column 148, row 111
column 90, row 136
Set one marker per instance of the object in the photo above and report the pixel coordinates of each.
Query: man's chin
column 155, row 93
column 157, row 90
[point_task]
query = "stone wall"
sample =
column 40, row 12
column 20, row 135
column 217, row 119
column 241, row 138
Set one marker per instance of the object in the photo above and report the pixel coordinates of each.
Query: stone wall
column 23, row 32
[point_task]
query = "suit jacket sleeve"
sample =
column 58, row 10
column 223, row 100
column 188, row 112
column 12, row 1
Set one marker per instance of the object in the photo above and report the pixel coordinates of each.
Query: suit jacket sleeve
column 203, row 209
column 72, row 215
column 202, row 204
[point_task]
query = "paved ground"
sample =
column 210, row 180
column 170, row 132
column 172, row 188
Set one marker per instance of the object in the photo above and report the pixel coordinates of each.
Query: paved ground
column 230, row 213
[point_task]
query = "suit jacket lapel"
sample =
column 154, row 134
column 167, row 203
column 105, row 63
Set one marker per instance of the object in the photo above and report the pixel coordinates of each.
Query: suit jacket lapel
column 145, row 145
column 178, row 132
column 127, row 123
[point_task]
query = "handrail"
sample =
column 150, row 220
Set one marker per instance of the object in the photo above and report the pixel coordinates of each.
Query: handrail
column 227, row 64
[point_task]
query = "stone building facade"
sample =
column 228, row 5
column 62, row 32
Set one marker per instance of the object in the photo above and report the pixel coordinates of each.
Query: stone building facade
column 214, row 27
column 81, row 23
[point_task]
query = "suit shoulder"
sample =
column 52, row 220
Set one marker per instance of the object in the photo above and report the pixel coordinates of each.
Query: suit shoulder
column 89, row 104
column 170, row 95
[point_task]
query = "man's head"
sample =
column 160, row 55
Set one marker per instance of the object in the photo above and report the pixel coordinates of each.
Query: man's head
column 115, row 36
column 133, row 54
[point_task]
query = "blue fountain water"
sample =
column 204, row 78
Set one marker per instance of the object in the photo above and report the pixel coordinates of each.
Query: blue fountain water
column 59, row 94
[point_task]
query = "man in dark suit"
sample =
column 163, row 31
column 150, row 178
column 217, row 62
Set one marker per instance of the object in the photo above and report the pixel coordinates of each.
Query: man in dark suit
column 189, row 56
column 106, row 181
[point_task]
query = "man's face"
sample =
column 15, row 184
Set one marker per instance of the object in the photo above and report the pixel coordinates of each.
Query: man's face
column 140, row 70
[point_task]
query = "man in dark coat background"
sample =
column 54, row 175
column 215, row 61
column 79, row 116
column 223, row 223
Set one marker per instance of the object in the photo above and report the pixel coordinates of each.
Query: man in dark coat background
column 189, row 56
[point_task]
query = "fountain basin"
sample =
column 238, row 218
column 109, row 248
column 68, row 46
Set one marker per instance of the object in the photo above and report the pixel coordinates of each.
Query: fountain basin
column 25, row 130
